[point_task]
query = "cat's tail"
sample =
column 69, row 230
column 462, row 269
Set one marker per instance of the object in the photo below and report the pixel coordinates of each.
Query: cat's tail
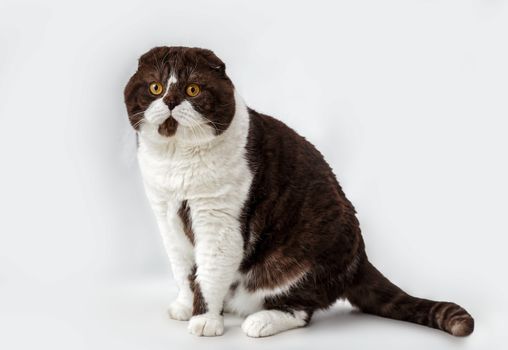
column 373, row 293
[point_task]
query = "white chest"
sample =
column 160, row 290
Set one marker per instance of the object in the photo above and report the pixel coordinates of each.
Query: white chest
column 193, row 173
column 211, row 176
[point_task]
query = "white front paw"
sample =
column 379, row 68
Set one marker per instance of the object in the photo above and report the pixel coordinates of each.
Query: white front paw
column 179, row 311
column 206, row 325
column 258, row 325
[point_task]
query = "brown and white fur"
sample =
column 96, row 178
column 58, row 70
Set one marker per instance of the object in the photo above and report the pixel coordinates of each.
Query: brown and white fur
column 252, row 217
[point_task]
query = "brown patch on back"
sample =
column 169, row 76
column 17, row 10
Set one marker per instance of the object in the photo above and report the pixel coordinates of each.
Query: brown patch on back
column 184, row 213
column 296, row 220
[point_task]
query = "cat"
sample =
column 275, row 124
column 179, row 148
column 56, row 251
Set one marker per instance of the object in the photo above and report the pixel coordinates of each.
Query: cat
column 252, row 217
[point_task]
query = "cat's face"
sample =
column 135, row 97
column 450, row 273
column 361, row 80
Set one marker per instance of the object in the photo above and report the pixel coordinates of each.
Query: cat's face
column 182, row 93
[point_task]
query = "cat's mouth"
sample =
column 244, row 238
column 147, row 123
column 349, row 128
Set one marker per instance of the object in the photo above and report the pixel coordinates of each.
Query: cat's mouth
column 168, row 127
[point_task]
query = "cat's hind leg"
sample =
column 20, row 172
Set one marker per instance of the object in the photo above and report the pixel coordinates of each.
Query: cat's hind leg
column 269, row 322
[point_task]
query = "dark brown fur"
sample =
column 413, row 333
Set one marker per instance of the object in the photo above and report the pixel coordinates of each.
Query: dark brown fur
column 296, row 222
column 303, row 221
column 184, row 213
column 199, row 304
column 374, row 294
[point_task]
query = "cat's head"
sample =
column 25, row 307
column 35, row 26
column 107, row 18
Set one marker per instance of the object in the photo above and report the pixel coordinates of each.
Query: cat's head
column 180, row 92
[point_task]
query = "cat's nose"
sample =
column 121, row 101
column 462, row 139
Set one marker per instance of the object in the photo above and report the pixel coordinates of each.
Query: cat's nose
column 171, row 104
column 172, row 100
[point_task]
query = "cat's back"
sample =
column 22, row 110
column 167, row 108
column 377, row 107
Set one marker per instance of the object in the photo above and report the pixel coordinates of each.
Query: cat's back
column 275, row 148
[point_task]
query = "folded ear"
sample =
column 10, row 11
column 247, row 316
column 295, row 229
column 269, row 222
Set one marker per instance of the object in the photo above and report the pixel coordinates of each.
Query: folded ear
column 153, row 56
column 213, row 61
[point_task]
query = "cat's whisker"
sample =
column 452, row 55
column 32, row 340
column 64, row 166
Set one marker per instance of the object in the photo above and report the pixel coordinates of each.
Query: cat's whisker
column 190, row 127
column 198, row 125
column 214, row 123
column 138, row 123
column 136, row 114
column 195, row 136
column 201, row 128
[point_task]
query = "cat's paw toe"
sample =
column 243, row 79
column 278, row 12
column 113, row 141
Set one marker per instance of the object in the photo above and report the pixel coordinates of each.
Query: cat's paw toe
column 179, row 311
column 206, row 325
column 256, row 325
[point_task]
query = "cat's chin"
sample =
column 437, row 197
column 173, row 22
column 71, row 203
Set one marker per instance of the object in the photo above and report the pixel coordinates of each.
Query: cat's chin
column 168, row 127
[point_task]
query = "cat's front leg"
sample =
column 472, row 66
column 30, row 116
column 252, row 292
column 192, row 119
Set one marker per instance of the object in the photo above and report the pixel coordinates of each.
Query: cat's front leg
column 218, row 253
column 178, row 244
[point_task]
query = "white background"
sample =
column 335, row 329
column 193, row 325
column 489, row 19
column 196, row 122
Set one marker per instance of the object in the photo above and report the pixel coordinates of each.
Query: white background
column 406, row 99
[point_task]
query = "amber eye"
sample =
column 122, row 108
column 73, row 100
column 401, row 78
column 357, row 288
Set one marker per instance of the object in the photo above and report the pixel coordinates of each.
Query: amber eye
column 193, row 90
column 156, row 88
